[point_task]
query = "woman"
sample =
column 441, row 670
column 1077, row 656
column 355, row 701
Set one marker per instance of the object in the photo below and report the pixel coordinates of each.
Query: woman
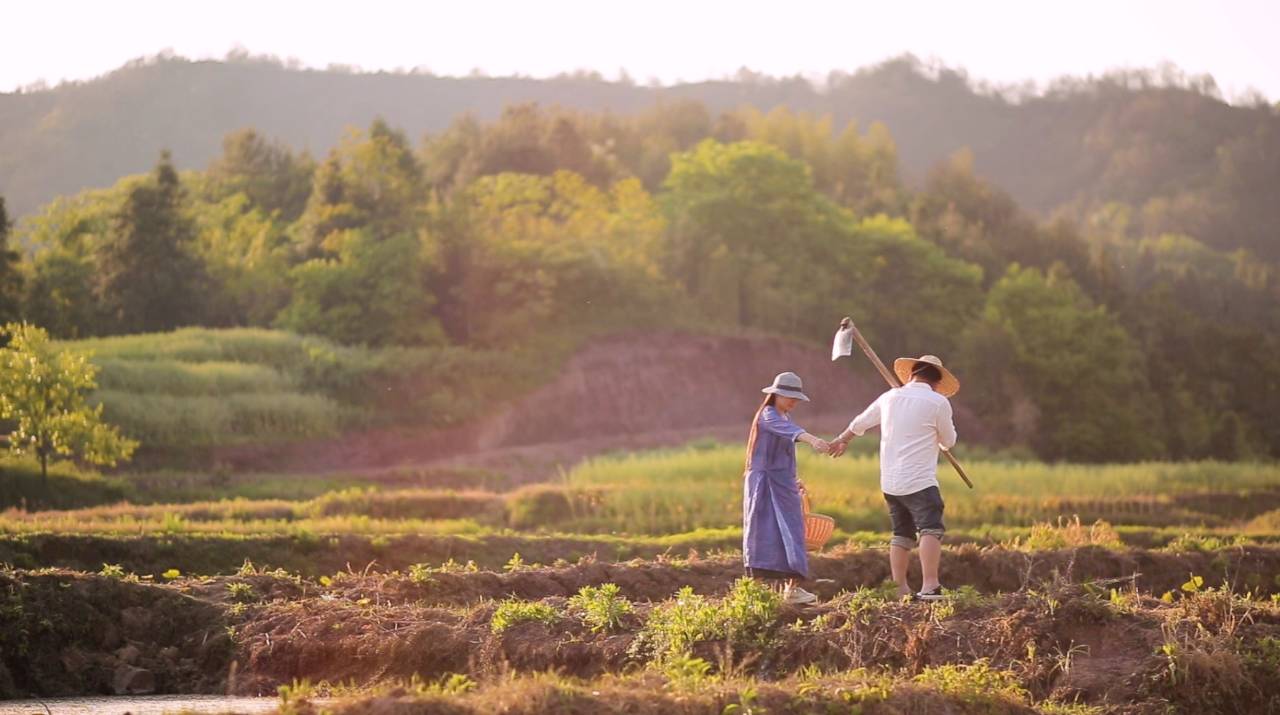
column 772, row 519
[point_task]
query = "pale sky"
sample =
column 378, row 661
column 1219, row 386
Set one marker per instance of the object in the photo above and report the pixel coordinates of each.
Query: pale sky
column 1002, row 42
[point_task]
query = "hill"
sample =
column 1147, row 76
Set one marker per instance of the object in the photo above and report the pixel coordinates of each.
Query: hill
column 1169, row 147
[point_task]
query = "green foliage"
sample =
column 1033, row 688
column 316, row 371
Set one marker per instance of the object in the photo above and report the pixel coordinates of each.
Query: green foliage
column 369, row 293
column 421, row 573
column 602, row 607
column 266, row 173
column 11, row 280
column 43, row 392
column 149, row 277
column 521, row 255
column 975, row 683
column 686, row 672
column 1139, row 323
column 513, row 612
column 745, row 617
column 241, row 592
column 1067, row 370
column 112, row 571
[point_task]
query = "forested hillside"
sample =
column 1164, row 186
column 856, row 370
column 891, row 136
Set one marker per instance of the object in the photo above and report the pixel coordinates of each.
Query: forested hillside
column 1088, row 340
column 1164, row 146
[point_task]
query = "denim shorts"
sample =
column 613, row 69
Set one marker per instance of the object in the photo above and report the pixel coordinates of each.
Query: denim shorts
column 915, row 514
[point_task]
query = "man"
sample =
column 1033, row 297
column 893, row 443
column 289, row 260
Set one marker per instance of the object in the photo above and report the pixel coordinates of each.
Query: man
column 914, row 420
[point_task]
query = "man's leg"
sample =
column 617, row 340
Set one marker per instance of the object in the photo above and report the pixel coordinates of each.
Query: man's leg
column 930, row 557
column 899, row 558
column 903, row 541
column 926, row 510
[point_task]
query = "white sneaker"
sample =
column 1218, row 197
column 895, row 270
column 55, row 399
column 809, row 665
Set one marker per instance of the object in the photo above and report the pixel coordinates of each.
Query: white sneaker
column 797, row 596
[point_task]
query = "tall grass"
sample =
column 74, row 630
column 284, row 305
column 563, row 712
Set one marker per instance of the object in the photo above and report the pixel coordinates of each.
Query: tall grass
column 205, row 420
column 686, row 489
column 246, row 345
column 172, row 377
column 198, row 387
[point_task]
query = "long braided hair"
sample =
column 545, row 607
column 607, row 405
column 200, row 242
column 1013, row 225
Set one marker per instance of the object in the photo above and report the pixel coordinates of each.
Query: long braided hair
column 769, row 401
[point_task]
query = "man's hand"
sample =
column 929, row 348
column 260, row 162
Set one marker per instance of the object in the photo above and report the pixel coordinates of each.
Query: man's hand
column 836, row 448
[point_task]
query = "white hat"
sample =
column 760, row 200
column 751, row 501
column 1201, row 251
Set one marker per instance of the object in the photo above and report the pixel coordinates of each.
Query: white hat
column 787, row 384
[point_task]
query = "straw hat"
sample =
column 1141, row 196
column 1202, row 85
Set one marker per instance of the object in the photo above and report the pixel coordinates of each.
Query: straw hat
column 949, row 386
column 787, row 384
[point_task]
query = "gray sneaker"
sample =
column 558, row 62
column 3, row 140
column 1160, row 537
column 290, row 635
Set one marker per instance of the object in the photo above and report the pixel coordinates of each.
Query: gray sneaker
column 797, row 596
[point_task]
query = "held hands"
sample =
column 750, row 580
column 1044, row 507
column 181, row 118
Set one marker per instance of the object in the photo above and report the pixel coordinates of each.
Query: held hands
column 836, row 448
column 820, row 446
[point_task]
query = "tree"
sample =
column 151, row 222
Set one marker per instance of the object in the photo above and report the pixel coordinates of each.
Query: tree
column 747, row 215
column 42, row 390
column 369, row 181
column 370, row 293
column 267, row 172
column 1069, row 369
column 521, row 255
column 10, row 278
column 150, row 278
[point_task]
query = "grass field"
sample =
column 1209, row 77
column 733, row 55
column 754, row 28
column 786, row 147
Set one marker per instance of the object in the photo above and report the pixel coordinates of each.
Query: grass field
column 199, row 388
column 635, row 494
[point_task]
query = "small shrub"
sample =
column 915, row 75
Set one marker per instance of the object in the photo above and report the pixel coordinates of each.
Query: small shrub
column 685, row 672
column 112, row 571
column 242, row 592
column 171, row 574
column 513, row 611
column 1203, row 543
column 420, row 573
column 745, row 617
column 602, row 608
column 1069, row 533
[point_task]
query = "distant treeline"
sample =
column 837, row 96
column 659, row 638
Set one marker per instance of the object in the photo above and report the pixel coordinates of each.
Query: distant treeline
column 1090, row 340
column 1162, row 143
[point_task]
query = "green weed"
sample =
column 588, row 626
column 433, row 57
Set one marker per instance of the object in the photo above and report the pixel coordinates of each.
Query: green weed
column 602, row 608
column 513, row 611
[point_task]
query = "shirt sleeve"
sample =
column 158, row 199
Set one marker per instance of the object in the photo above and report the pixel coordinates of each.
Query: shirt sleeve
column 869, row 418
column 946, row 426
column 773, row 422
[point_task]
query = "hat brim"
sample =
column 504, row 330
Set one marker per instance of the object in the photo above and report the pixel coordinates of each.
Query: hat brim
column 948, row 387
column 786, row 393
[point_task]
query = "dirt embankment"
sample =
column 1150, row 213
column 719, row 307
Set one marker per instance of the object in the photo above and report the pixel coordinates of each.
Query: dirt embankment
column 69, row 633
column 64, row 633
column 623, row 392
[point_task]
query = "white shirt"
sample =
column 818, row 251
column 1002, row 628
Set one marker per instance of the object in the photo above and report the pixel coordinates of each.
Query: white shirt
column 913, row 421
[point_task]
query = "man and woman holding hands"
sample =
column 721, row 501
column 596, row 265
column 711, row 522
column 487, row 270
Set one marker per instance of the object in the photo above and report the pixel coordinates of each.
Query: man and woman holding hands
column 914, row 420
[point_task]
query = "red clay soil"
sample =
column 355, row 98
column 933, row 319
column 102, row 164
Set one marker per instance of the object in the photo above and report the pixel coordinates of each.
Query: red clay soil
column 622, row 392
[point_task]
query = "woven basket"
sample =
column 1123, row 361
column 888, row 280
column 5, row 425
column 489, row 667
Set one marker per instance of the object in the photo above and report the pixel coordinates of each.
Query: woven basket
column 817, row 527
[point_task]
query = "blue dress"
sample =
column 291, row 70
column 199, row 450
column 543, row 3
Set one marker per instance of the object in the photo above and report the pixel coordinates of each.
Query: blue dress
column 772, row 518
